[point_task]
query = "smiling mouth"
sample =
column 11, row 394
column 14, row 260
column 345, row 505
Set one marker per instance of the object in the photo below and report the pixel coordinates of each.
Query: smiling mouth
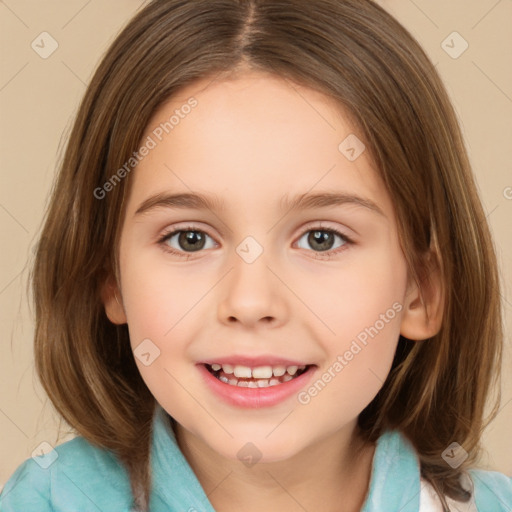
column 229, row 377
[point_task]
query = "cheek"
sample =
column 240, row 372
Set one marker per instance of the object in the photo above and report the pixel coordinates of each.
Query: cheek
column 160, row 314
column 360, row 308
column 355, row 295
column 157, row 298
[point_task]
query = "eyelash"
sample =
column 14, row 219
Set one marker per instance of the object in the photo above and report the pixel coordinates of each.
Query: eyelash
column 318, row 254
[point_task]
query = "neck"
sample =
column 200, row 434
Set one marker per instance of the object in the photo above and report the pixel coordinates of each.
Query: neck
column 334, row 472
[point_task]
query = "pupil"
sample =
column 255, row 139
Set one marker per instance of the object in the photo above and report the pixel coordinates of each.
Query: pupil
column 323, row 238
column 188, row 239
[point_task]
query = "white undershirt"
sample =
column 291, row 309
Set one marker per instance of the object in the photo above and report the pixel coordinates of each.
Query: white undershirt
column 430, row 502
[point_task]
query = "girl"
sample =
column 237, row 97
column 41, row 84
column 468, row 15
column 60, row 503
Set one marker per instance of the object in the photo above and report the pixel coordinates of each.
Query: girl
column 330, row 342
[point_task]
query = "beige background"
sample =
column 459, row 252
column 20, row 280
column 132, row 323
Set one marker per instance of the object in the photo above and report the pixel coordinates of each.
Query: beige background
column 39, row 97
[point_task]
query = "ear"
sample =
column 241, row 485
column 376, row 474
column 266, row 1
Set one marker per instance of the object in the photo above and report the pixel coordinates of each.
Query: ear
column 111, row 298
column 424, row 302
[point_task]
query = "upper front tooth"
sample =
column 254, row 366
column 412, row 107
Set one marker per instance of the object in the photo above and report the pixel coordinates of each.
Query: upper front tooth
column 262, row 372
column 242, row 371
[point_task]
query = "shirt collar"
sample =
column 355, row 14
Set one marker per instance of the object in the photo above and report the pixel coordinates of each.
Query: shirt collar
column 395, row 476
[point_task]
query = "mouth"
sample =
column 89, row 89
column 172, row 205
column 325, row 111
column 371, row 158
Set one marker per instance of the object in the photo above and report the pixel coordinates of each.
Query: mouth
column 259, row 377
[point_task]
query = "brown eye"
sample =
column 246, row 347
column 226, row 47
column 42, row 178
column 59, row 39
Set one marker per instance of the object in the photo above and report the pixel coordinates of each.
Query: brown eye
column 321, row 240
column 186, row 240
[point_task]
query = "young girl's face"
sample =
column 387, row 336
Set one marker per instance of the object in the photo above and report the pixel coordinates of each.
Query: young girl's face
column 256, row 278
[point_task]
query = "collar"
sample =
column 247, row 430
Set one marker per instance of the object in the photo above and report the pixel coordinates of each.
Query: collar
column 395, row 476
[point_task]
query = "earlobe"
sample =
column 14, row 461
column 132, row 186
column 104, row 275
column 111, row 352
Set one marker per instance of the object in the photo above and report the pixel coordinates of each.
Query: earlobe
column 113, row 304
column 424, row 304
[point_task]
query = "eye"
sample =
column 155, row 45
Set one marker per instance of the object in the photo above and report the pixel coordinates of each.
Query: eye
column 186, row 241
column 183, row 241
column 324, row 240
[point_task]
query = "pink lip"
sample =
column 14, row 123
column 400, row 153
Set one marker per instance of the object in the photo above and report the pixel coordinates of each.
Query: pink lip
column 253, row 362
column 254, row 398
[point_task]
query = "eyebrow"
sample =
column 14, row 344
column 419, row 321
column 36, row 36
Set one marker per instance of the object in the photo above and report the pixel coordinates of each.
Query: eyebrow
column 305, row 201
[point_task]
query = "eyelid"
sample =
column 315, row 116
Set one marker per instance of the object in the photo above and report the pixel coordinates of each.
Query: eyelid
column 185, row 226
column 192, row 226
column 167, row 233
column 324, row 225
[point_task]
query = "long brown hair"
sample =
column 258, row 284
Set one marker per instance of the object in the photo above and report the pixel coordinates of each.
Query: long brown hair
column 354, row 52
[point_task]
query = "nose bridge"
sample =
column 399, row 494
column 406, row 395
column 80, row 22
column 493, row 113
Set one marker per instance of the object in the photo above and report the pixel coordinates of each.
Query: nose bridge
column 252, row 292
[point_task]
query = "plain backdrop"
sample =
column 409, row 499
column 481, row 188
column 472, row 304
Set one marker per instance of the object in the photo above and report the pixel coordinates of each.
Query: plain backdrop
column 39, row 98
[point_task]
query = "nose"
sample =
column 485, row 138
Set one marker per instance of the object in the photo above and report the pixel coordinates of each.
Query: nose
column 252, row 294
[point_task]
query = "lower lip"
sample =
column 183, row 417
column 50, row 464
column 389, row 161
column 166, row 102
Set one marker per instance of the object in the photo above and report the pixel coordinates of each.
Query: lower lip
column 255, row 398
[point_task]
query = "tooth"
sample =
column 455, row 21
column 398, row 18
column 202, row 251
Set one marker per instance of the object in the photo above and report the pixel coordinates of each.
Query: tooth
column 252, row 384
column 262, row 372
column 243, row 384
column 227, row 368
column 279, row 370
column 292, row 370
column 242, row 371
column 263, row 383
column 224, row 379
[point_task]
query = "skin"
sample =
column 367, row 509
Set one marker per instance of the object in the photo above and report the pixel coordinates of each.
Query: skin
column 251, row 140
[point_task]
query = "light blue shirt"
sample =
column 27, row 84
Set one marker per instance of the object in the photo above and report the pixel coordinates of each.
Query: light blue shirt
column 84, row 478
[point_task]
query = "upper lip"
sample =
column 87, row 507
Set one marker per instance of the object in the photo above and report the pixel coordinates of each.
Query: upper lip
column 254, row 361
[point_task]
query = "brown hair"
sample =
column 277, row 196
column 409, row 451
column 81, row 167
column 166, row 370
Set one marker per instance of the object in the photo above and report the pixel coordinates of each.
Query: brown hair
column 354, row 52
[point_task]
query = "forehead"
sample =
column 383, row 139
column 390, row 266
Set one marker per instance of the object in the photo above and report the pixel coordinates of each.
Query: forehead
column 256, row 136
